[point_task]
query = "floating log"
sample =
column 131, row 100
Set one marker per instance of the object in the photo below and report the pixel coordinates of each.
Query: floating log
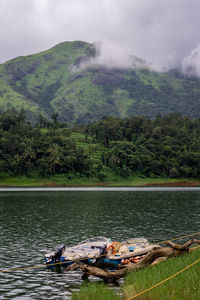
column 94, row 271
column 155, row 256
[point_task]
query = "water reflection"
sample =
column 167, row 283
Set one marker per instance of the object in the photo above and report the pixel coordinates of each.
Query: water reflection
column 34, row 222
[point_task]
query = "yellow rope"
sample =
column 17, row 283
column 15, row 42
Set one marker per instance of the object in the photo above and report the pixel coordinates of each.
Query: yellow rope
column 194, row 248
column 49, row 265
column 161, row 282
column 24, row 268
column 179, row 238
column 60, row 263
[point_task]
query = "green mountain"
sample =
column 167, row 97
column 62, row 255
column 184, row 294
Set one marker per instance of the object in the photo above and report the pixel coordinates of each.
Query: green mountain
column 54, row 81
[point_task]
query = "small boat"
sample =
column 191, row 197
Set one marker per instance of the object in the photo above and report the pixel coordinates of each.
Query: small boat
column 87, row 251
column 101, row 251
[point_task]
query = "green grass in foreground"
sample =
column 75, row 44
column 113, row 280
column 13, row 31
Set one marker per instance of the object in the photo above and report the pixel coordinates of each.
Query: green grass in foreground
column 95, row 291
column 184, row 286
column 111, row 180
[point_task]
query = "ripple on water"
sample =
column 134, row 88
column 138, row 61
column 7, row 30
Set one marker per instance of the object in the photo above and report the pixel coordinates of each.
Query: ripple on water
column 34, row 223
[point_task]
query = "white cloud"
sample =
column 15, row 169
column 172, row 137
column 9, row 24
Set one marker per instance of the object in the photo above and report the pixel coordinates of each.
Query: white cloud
column 163, row 32
column 191, row 64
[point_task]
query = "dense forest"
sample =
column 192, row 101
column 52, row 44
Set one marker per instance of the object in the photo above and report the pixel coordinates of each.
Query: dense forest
column 38, row 151
column 167, row 146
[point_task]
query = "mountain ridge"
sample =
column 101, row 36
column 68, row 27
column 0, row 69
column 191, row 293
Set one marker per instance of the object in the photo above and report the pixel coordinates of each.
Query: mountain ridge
column 63, row 80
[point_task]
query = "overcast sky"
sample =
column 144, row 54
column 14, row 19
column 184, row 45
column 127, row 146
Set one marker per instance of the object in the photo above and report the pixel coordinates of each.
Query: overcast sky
column 164, row 32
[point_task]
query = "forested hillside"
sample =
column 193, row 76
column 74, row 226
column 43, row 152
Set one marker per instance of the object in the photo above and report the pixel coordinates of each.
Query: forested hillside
column 168, row 146
column 40, row 152
column 66, row 80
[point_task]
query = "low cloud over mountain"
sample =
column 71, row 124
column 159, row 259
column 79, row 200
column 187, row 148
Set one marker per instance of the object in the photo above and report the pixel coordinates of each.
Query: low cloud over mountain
column 164, row 33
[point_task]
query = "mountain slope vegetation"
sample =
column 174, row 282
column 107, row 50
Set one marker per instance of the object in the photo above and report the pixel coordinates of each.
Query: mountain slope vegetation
column 168, row 146
column 55, row 81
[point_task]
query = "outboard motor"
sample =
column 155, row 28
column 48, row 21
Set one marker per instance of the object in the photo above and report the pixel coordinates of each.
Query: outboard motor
column 58, row 253
column 104, row 250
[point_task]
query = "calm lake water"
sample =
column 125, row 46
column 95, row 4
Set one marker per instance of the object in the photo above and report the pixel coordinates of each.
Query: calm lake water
column 32, row 223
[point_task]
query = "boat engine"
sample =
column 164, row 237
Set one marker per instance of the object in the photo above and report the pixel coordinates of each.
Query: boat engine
column 58, row 253
column 104, row 250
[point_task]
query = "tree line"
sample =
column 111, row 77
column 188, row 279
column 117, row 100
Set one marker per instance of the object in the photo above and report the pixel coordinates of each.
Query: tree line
column 166, row 146
column 38, row 151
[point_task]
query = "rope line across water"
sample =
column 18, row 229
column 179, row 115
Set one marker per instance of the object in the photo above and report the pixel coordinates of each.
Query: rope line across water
column 179, row 238
column 75, row 260
column 50, row 265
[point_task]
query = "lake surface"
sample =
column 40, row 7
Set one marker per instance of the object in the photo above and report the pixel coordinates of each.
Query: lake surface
column 34, row 222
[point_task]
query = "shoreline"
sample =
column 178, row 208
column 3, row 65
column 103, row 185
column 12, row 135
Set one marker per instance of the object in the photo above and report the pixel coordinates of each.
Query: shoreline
column 98, row 189
column 133, row 182
column 144, row 281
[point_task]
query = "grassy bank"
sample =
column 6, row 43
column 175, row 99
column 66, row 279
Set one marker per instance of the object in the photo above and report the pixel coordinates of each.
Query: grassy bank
column 84, row 181
column 95, row 291
column 184, row 286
